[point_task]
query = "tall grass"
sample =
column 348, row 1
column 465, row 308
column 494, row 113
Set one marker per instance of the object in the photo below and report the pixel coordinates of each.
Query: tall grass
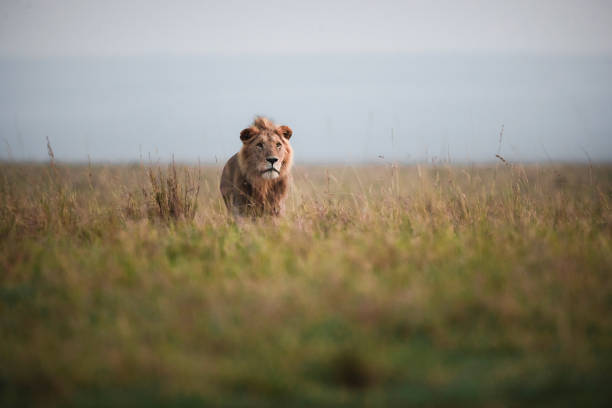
column 391, row 285
column 171, row 199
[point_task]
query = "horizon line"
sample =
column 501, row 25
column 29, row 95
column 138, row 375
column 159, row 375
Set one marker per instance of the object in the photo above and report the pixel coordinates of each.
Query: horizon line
column 439, row 53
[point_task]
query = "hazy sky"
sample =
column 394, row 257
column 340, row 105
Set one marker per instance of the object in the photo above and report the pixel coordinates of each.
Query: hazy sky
column 177, row 27
column 356, row 80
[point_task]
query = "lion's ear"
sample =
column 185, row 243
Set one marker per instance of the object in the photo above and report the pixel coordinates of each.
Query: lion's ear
column 246, row 134
column 285, row 131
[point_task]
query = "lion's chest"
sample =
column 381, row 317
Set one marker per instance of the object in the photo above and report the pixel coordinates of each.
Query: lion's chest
column 268, row 198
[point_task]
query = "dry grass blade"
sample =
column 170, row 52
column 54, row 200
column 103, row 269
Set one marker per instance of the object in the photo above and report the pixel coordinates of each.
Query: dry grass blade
column 169, row 198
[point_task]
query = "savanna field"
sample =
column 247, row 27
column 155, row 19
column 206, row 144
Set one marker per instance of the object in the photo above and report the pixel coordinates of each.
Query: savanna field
column 426, row 285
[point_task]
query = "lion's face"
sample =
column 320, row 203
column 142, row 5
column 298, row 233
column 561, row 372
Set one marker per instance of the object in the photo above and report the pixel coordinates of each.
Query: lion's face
column 266, row 153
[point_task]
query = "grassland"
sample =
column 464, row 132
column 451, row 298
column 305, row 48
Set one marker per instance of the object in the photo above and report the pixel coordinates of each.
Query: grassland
column 431, row 285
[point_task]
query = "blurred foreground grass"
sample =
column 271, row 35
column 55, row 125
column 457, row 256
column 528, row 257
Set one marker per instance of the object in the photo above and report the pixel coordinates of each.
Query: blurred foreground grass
column 383, row 285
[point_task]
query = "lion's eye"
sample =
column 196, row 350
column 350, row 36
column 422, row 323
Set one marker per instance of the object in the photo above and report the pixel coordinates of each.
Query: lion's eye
column 260, row 145
column 278, row 146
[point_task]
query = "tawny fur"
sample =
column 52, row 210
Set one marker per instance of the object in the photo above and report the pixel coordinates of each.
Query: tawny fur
column 244, row 186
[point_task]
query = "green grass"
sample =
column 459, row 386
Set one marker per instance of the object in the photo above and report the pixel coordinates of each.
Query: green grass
column 383, row 286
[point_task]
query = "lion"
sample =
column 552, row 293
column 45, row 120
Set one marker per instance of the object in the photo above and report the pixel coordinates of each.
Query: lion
column 255, row 181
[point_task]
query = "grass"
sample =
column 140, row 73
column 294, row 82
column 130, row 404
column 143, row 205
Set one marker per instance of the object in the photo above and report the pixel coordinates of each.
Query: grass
column 429, row 285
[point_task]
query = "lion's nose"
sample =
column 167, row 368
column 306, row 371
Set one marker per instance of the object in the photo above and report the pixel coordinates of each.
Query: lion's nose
column 272, row 160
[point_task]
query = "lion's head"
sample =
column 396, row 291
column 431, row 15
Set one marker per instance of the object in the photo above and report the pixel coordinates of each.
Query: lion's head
column 266, row 153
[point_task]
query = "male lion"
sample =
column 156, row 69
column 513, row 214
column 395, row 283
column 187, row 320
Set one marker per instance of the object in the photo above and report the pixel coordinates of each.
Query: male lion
column 255, row 180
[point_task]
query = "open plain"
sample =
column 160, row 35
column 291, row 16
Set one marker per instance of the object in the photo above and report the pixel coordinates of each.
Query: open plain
column 387, row 285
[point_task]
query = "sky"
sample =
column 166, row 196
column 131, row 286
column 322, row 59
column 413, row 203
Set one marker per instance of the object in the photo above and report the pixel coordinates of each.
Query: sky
column 357, row 80
column 179, row 27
